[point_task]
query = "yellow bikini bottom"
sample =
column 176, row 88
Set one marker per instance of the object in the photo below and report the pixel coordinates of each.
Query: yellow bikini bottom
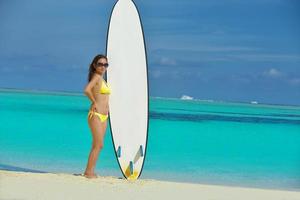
column 101, row 116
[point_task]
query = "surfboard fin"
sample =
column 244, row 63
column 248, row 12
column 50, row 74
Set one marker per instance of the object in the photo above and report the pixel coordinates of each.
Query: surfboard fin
column 131, row 167
column 141, row 150
column 119, row 152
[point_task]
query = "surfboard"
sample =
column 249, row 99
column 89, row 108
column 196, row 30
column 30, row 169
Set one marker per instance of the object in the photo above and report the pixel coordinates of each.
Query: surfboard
column 127, row 76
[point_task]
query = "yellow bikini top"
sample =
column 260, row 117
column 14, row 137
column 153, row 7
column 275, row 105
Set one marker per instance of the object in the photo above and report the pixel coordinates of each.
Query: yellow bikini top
column 104, row 88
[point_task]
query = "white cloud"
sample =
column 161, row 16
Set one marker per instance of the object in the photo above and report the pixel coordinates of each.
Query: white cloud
column 156, row 73
column 207, row 48
column 273, row 73
column 167, row 61
column 288, row 78
column 205, row 3
column 295, row 81
column 268, row 57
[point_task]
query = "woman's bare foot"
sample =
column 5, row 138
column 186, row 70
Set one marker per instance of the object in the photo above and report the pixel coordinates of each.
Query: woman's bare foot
column 90, row 175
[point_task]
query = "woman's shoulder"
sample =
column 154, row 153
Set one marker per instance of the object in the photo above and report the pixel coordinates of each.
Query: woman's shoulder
column 96, row 76
column 95, row 79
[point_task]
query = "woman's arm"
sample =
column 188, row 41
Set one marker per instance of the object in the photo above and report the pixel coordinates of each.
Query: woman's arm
column 88, row 89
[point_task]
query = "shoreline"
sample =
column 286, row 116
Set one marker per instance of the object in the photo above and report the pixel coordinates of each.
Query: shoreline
column 160, row 176
column 34, row 185
column 170, row 178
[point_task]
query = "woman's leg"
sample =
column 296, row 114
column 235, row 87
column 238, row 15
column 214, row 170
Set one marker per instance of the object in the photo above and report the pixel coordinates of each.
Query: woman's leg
column 98, row 129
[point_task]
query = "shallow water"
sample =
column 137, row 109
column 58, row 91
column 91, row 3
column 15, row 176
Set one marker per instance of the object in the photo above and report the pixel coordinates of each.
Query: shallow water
column 241, row 144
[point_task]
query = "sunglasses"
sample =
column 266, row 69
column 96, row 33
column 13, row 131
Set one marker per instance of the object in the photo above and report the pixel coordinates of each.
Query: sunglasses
column 101, row 64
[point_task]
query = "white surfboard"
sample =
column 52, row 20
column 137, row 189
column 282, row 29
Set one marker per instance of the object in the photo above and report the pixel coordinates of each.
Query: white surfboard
column 127, row 76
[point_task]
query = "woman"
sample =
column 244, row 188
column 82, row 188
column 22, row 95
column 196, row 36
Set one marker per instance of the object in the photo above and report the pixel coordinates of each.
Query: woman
column 98, row 92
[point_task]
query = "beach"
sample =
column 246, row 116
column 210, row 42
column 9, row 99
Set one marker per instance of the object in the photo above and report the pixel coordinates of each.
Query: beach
column 43, row 186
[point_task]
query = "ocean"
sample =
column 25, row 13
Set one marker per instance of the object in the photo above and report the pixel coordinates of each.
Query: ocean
column 196, row 141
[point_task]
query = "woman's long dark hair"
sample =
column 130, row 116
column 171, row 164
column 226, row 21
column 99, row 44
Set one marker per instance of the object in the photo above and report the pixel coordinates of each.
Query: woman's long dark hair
column 92, row 69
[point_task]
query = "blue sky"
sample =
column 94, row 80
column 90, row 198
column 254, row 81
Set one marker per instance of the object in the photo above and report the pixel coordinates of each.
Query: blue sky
column 231, row 50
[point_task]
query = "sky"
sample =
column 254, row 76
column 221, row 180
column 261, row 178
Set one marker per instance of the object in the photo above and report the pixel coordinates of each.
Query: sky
column 229, row 50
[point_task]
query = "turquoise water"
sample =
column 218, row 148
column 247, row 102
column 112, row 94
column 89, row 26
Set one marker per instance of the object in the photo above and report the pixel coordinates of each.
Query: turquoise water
column 189, row 141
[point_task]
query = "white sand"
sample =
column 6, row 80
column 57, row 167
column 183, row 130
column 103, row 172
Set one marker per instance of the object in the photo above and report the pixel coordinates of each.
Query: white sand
column 43, row 186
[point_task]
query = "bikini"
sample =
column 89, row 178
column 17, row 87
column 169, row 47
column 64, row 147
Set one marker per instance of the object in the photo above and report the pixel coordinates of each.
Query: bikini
column 103, row 90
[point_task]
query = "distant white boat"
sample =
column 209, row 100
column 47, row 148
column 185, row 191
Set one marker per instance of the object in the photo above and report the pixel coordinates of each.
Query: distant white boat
column 254, row 102
column 186, row 97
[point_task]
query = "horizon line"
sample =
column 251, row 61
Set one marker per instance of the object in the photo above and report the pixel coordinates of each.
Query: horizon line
column 77, row 93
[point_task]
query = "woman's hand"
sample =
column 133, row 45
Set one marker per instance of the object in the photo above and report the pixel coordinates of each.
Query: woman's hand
column 94, row 107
